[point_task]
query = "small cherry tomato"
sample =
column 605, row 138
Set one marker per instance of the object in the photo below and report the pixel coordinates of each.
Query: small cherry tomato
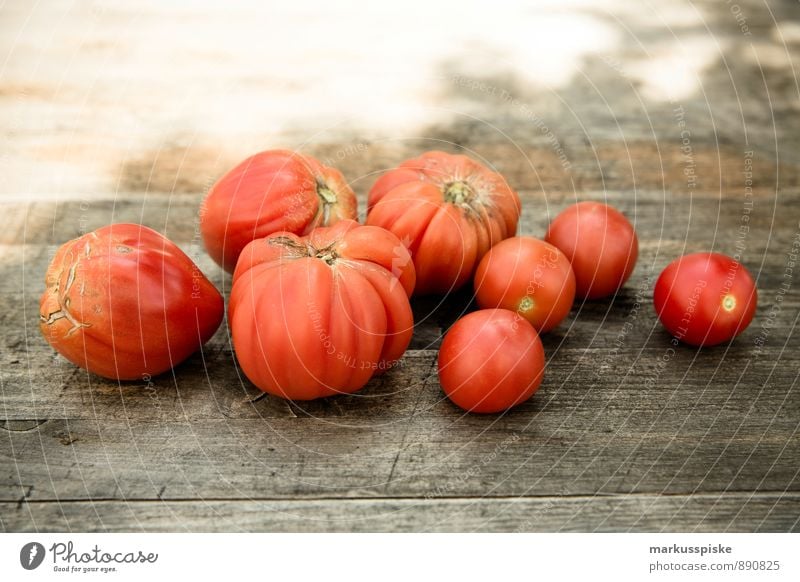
column 529, row 276
column 125, row 303
column 490, row 360
column 601, row 245
column 705, row 299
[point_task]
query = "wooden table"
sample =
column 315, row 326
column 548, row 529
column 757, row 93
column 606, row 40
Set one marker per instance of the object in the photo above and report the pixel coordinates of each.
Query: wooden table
column 684, row 116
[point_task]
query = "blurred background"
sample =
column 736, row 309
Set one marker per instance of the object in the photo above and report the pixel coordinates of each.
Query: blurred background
column 110, row 97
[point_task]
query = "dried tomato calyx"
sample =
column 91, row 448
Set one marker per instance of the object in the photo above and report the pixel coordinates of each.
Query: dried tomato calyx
column 297, row 250
column 459, row 193
column 328, row 254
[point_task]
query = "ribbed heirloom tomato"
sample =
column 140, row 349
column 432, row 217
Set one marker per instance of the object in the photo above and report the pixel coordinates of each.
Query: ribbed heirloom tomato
column 705, row 299
column 601, row 245
column 320, row 315
column 490, row 360
column 529, row 276
column 272, row 191
column 449, row 210
column 124, row 302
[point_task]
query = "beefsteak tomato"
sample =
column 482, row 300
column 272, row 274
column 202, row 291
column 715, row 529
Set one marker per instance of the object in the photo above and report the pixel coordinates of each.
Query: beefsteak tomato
column 319, row 315
column 124, row 302
column 272, row 191
column 449, row 210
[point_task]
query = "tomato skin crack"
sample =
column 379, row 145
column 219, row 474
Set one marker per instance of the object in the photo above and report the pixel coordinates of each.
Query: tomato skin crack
column 52, row 317
column 63, row 312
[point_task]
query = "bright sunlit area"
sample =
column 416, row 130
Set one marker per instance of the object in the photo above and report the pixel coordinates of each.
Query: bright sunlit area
column 87, row 86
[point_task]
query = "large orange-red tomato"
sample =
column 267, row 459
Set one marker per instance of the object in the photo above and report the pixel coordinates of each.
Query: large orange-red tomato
column 490, row 360
column 600, row 243
column 125, row 303
column 320, row 315
column 272, row 191
column 705, row 299
column 529, row 276
column 449, row 210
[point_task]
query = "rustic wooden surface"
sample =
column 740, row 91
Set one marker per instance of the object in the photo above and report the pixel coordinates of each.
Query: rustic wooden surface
column 623, row 435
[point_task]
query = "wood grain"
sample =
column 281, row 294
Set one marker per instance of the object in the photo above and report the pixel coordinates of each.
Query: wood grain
column 630, row 513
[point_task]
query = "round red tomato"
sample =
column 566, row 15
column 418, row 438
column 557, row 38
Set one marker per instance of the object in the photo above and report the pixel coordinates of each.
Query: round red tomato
column 705, row 299
column 601, row 245
column 529, row 276
column 449, row 210
column 491, row 360
column 320, row 315
column 124, row 302
column 272, row 191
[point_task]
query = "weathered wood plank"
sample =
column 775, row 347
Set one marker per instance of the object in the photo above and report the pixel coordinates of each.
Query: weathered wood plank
column 658, row 214
column 631, row 513
column 210, row 386
column 564, row 441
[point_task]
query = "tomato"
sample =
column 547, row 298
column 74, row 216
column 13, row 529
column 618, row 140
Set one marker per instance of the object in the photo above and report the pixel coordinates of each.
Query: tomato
column 449, row 210
column 272, row 191
column 601, row 245
column 490, row 360
column 529, row 276
column 320, row 315
column 125, row 302
column 705, row 299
